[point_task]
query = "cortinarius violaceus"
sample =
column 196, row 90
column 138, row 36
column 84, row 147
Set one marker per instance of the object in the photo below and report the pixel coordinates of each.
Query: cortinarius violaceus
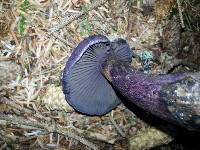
column 99, row 69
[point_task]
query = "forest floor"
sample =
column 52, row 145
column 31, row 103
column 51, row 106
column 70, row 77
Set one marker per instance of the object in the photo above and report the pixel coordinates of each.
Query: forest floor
column 38, row 36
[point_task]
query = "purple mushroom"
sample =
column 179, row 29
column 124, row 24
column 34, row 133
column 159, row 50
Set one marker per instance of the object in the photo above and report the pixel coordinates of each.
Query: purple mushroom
column 99, row 69
column 85, row 88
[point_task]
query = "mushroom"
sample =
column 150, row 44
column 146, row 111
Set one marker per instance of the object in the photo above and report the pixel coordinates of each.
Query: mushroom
column 99, row 69
column 85, row 88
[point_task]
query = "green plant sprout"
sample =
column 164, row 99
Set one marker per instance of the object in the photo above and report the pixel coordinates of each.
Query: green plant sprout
column 86, row 28
column 22, row 21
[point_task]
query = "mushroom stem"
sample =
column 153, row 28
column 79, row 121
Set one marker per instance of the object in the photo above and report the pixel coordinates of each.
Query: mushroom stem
column 174, row 97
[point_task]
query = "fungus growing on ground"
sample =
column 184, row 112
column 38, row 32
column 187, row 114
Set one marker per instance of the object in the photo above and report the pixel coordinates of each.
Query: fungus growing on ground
column 98, row 68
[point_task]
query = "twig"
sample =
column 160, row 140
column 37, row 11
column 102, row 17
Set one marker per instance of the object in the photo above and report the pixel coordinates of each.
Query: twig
column 116, row 126
column 55, row 35
column 180, row 13
column 92, row 135
column 70, row 19
column 16, row 139
column 96, row 136
column 45, row 127
column 23, row 110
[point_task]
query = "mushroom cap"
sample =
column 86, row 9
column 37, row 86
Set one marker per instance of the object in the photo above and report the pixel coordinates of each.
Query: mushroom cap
column 85, row 88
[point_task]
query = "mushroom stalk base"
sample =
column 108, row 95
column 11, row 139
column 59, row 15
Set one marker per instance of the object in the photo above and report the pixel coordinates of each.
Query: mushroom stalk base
column 174, row 97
